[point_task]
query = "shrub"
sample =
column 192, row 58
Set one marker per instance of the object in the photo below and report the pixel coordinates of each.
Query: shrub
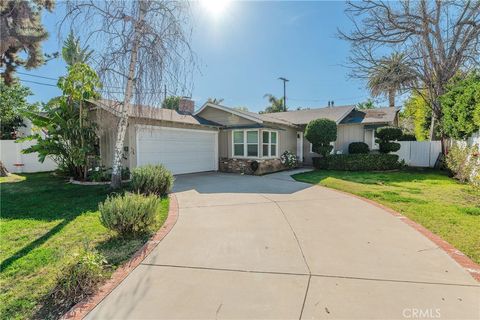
column 358, row 148
column 129, row 214
column 358, row 162
column 384, row 137
column 289, row 159
column 152, row 179
column 464, row 162
column 320, row 133
column 407, row 137
column 78, row 280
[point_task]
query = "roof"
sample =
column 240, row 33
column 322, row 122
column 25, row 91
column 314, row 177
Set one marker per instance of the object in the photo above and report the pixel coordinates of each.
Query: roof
column 371, row 116
column 302, row 117
column 255, row 117
column 149, row 112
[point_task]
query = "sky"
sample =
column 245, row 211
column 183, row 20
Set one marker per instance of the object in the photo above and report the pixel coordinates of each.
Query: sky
column 244, row 48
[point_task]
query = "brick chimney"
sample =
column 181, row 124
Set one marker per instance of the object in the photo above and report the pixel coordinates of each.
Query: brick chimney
column 186, row 105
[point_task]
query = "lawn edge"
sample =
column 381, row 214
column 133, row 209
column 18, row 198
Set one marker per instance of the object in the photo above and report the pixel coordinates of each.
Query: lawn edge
column 81, row 309
column 463, row 260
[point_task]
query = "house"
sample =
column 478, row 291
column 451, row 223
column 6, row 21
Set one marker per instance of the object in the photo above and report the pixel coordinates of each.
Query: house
column 219, row 138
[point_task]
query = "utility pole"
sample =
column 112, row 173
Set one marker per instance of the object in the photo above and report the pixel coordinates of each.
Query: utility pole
column 285, row 80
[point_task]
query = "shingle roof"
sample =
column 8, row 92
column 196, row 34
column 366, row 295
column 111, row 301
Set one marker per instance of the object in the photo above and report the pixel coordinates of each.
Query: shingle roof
column 301, row 117
column 148, row 112
column 371, row 116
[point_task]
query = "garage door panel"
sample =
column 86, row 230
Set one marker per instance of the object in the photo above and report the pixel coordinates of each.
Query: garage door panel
column 180, row 150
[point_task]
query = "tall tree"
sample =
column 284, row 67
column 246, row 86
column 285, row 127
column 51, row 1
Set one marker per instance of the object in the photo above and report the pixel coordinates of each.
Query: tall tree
column 460, row 104
column 276, row 104
column 418, row 112
column 389, row 76
column 73, row 52
column 21, row 30
column 439, row 38
column 172, row 102
column 141, row 46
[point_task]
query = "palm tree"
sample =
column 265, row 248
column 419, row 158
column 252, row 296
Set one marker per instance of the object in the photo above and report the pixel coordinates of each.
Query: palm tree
column 72, row 51
column 276, row 104
column 391, row 75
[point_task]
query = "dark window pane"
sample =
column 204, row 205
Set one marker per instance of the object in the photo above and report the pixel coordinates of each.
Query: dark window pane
column 265, row 150
column 252, row 150
column 274, row 137
column 274, row 150
column 265, row 136
column 238, row 150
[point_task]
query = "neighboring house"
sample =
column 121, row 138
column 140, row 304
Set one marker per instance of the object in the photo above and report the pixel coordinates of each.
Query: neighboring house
column 220, row 138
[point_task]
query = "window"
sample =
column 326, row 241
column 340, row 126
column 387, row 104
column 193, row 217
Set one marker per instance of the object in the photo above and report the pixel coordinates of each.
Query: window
column 269, row 143
column 245, row 143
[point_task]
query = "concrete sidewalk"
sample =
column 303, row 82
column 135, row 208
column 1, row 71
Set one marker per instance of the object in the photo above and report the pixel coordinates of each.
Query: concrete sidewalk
column 268, row 247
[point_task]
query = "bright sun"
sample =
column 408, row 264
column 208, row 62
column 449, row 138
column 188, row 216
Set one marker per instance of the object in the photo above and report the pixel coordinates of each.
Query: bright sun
column 215, row 7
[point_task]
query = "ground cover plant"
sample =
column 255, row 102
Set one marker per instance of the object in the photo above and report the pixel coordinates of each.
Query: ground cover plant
column 45, row 226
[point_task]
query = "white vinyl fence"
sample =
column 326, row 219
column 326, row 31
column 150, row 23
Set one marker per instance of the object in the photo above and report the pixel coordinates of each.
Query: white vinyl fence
column 419, row 153
column 17, row 162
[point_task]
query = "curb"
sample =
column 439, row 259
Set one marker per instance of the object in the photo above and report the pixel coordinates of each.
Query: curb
column 81, row 309
column 465, row 262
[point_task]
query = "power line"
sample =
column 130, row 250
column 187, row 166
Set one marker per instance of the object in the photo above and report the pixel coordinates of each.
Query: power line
column 36, row 76
column 41, row 83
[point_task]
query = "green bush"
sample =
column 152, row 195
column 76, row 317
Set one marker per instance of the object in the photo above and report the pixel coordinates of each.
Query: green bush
column 129, row 214
column 385, row 136
column 408, row 137
column 358, row 162
column 152, row 179
column 320, row 133
column 78, row 280
column 358, row 148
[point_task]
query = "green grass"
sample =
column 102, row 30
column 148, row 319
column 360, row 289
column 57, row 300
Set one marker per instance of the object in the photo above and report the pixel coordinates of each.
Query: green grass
column 44, row 223
column 432, row 199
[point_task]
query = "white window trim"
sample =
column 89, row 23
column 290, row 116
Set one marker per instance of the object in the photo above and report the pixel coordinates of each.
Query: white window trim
column 270, row 144
column 245, row 144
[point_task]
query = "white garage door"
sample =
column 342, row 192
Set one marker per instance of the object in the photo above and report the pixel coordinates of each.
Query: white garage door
column 180, row 150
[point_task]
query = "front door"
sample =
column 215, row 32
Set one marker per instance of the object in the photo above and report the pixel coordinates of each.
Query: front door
column 300, row 146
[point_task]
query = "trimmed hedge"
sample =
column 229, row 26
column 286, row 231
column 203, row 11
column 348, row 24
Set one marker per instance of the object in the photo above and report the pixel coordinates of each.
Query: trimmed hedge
column 385, row 136
column 320, row 133
column 358, row 162
column 358, row 148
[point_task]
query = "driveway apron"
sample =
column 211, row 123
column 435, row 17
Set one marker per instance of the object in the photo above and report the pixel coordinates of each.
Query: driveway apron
column 247, row 247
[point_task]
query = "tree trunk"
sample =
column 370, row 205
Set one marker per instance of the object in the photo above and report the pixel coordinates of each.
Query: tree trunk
column 3, row 170
column 391, row 98
column 116, row 181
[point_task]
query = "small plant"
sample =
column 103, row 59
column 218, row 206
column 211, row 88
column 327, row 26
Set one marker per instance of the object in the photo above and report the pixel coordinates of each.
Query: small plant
column 78, row 280
column 152, row 179
column 385, row 136
column 358, row 148
column 129, row 214
column 101, row 174
column 321, row 133
column 289, row 159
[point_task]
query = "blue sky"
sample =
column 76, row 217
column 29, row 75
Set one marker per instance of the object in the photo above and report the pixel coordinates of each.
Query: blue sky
column 244, row 50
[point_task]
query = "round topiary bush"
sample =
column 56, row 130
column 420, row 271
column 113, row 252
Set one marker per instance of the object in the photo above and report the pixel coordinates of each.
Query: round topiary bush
column 320, row 133
column 358, row 148
column 129, row 214
column 384, row 137
column 152, row 179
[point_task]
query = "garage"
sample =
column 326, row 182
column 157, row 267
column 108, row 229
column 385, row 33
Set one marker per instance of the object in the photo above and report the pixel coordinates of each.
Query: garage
column 180, row 150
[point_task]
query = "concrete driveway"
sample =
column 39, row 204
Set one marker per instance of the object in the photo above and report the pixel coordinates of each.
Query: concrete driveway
column 268, row 247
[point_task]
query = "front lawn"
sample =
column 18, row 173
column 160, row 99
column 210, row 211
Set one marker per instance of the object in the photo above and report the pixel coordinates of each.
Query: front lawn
column 44, row 224
column 432, row 199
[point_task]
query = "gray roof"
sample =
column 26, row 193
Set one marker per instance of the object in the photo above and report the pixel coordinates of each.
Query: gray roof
column 302, row 117
column 266, row 117
column 371, row 116
column 149, row 112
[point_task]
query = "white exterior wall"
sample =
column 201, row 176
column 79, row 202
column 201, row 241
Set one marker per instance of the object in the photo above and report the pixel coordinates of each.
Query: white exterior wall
column 12, row 157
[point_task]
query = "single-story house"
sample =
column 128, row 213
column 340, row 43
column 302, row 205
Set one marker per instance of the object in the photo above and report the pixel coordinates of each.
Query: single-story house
column 219, row 138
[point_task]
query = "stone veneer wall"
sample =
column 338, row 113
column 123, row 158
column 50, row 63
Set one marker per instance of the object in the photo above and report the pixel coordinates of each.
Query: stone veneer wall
column 243, row 166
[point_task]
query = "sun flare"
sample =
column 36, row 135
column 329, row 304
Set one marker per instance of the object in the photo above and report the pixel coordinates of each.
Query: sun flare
column 215, row 8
